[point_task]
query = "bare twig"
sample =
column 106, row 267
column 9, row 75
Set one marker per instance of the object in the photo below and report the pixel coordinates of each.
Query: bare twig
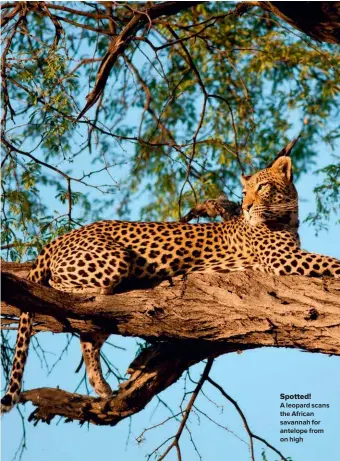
column 245, row 422
column 177, row 436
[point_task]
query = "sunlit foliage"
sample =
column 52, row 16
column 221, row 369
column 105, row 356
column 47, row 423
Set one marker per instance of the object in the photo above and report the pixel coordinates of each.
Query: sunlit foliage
column 195, row 99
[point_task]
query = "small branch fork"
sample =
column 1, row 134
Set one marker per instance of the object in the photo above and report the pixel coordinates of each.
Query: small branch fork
column 245, row 422
column 175, row 442
column 11, row 148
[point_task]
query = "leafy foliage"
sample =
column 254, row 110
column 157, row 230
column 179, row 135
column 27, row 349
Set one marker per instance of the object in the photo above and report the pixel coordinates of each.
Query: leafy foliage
column 327, row 196
column 195, row 99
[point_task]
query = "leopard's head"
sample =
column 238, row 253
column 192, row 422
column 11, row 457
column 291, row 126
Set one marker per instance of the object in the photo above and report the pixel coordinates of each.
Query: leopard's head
column 269, row 196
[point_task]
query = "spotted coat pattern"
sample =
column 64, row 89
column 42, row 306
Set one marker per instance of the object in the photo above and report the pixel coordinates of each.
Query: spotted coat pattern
column 105, row 256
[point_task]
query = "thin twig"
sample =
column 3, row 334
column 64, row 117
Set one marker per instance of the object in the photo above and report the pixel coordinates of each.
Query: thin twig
column 245, row 422
column 175, row 442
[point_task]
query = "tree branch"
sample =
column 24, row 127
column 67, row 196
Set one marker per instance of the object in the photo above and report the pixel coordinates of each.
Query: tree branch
column 119, row 44
column 194, row 395
column 290, row 311
column 245, row 422
column 202, row 316
column 155, row 369
column 319, row 20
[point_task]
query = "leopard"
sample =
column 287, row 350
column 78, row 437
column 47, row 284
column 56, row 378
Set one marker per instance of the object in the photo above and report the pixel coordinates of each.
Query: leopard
column 105, row 256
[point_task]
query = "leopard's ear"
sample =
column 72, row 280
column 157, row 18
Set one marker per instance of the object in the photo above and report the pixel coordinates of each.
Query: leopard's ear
column 282, row 163
column 244, row 179
column 283, row 166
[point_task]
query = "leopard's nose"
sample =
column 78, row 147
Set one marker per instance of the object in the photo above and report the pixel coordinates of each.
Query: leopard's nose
column 247, row 206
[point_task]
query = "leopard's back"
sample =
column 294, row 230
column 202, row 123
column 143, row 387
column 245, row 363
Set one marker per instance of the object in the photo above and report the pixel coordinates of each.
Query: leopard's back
column 97, row 257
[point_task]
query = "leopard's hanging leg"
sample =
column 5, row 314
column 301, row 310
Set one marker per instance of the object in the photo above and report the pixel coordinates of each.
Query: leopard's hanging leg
column 91, row 344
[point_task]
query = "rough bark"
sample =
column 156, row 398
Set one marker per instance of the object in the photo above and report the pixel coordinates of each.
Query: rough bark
column 202, row 316
column 155, row 369
column 319, row 20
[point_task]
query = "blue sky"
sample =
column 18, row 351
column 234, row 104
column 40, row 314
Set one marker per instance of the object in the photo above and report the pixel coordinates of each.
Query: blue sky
column 255, row 379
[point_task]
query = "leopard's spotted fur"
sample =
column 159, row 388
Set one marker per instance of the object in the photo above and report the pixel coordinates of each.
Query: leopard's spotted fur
column 102, row 256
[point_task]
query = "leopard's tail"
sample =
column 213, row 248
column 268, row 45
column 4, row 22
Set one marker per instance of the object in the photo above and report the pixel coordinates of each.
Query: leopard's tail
column 39, row 273
column 21, row 351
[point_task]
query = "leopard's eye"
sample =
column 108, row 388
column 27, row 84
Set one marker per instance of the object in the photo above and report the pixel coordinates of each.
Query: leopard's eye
column 261, row 186
column 244, row 193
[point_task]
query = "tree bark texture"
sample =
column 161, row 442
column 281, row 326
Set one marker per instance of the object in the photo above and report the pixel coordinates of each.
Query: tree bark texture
column 200, row 316
column 319, row 20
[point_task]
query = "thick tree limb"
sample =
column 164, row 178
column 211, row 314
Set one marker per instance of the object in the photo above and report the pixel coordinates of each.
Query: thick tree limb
column 319, row 20
column 237, row 308
column 203, row 316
